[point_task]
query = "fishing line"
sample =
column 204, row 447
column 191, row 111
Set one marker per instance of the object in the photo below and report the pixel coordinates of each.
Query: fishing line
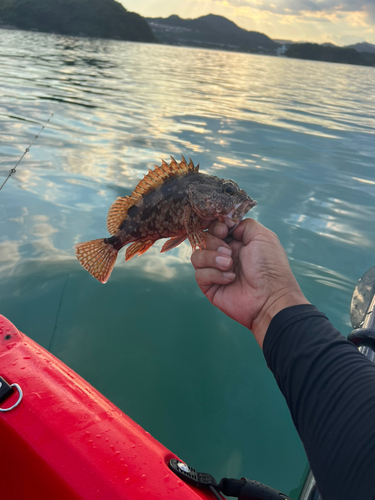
column 3, row 215
column 13, row 170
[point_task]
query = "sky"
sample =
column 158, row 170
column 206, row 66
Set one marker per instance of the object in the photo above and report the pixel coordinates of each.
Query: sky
column 340, row 22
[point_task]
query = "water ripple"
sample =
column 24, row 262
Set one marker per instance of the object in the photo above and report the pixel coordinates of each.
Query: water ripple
column 298, row 136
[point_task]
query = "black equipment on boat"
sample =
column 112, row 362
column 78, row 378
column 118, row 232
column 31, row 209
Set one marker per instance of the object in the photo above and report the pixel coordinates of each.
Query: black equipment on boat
column 243, row 489
column 362, row 318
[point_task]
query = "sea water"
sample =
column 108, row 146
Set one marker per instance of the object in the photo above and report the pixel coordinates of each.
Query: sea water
column 298, row 136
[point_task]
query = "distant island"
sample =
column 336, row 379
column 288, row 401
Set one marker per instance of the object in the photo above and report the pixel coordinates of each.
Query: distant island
column 220, row 33
column 211, row 31
column 330, row 53
column 96, row 18
column 362, row 47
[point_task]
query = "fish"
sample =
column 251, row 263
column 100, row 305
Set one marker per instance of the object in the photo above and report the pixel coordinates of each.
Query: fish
column 173, row 201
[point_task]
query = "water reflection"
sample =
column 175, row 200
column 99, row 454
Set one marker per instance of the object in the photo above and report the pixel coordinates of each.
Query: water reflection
column 297, row 136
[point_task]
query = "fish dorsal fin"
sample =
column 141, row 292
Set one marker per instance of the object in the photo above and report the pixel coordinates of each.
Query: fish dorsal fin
column 118, row 212
column 153, row 179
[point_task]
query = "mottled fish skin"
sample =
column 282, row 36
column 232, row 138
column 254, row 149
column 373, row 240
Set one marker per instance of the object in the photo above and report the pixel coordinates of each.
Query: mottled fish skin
column 173, row 201
column 160, row 213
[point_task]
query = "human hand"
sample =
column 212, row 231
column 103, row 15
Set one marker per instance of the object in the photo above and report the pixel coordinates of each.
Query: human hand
column 249, row 279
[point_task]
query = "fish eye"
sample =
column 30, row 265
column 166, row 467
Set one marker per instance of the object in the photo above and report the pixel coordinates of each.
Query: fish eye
column 229, row 189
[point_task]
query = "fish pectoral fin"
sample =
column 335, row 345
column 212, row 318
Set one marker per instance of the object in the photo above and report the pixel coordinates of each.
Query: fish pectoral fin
column 172, row 243
column 192, row 225
column 197, row 239
column 138, row 248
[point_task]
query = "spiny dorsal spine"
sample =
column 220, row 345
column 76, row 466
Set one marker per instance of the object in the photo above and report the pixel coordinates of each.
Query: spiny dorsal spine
column 151, row 180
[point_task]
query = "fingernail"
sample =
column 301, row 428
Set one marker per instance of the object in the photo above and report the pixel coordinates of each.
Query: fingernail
column 223, row 261
column 220, row 231
column 229, row 276
column 225, row 250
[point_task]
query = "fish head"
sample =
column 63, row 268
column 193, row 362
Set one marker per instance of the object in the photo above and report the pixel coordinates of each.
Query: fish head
column 220, row 199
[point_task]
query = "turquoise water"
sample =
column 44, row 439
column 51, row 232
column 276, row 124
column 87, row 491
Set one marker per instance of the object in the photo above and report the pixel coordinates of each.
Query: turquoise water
column 298, row 136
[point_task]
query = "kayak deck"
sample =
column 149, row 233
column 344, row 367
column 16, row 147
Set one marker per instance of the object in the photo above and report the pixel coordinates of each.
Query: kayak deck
column 65, row 440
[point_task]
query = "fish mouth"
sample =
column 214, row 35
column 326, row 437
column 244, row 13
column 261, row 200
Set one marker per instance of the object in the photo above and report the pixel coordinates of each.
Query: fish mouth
column 235, row 216
column 242, row 209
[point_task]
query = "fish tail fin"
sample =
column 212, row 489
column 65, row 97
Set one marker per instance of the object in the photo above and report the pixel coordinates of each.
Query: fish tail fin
column 98, row 257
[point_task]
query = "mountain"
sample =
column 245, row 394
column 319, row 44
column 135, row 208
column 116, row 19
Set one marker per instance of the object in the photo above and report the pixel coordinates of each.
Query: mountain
column 97, row 18
column 362, row 47
column 330, row 53
column 210, row 31
column 284, row 42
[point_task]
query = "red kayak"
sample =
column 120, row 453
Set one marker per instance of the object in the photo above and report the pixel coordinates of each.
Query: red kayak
column 64, row 440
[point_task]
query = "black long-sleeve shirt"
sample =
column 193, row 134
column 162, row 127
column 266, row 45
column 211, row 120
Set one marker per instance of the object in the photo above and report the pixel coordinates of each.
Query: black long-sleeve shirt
column 329, row 387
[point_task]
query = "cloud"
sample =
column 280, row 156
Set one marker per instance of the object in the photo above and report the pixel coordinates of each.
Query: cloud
column 293, row 7
column 370, row 11
column 314, row 8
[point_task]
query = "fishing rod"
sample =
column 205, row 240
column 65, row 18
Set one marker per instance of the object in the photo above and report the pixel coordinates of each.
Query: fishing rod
column 12, row 171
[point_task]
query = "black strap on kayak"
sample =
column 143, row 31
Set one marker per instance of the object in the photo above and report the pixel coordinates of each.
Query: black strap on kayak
column 243, row 489
column 247, row 489
column 5, row 390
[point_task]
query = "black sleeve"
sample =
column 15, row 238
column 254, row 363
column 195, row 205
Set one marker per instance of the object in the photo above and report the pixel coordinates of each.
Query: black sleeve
column 329, row 387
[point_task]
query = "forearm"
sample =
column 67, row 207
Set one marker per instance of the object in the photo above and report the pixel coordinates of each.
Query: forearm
column 277, row 302
column 330, row 390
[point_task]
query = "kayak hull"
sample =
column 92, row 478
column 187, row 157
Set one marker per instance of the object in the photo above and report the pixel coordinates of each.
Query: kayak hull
column 66, row 440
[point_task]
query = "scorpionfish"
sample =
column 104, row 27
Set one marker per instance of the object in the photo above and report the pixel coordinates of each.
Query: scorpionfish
column 173, row 201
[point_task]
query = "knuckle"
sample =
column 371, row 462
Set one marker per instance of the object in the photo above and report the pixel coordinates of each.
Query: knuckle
column 195, row 258
column 274, row 235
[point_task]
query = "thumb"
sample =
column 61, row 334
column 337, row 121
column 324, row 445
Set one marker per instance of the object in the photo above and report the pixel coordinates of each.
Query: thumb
column 248, row 229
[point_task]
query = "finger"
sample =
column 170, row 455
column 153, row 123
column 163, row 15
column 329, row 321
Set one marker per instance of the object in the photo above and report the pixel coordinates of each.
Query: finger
column 213, row 243
column 221, row 259
column 218, row 229
column 209, row 277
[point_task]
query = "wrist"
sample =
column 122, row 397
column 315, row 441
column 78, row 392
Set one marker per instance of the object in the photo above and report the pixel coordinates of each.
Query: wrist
column 274, row 305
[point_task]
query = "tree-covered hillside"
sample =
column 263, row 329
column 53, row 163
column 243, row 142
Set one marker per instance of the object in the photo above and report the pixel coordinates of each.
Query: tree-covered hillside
column 97, row 18
column 210, row 31
column 329, row 53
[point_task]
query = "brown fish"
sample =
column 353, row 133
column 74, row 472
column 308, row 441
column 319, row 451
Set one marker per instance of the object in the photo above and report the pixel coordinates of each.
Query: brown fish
column 173, row 201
